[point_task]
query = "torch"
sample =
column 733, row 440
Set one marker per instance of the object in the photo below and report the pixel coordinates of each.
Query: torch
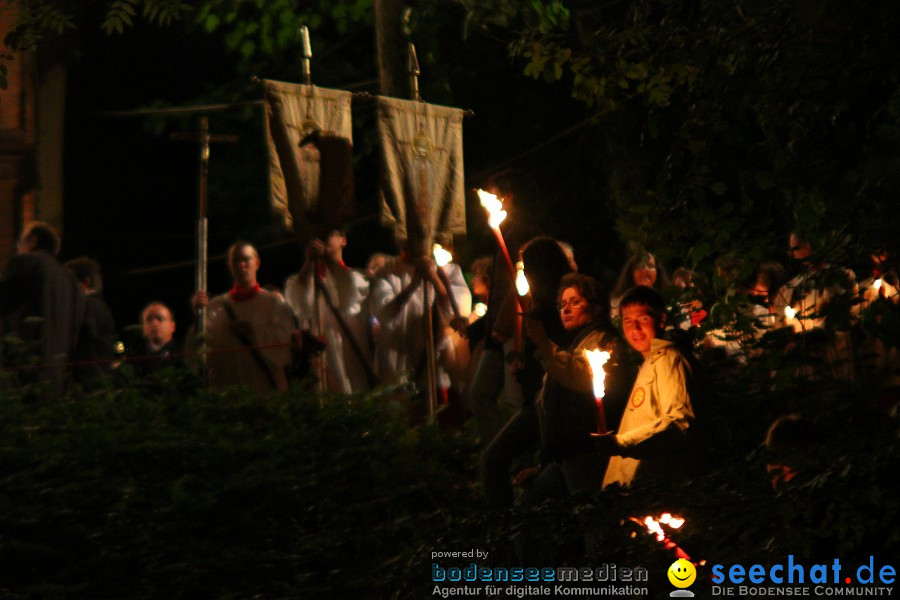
column 443, row 258
column 521, row 281
column 496, row 214
column 791, row 315
column 655, row 528
column 494, row 208
column 596, row 359
column 877, row 285
column 479, row 310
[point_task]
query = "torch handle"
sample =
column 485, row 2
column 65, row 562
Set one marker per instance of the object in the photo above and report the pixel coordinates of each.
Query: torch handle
column 509, row 263
column 512, row 278
column 601, row 418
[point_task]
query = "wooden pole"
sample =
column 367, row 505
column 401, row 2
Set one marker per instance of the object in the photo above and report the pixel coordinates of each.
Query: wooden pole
column 412, row 67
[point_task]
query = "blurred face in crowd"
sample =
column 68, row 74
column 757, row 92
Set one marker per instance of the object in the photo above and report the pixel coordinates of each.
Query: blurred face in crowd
column 761, row 287
column 640, row 327
column 376, row 262
column 244, row 263
column 799, row 249
column 879, row 258
column 574, row 310
column 645, row 272
column 159, row 325
column 335, row 243
column 25, row 244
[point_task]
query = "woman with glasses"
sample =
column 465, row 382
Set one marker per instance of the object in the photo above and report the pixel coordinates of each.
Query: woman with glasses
column 566, row 407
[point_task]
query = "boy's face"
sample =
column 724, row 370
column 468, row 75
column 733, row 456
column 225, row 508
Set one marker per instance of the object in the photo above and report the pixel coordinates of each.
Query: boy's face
column 639, row 326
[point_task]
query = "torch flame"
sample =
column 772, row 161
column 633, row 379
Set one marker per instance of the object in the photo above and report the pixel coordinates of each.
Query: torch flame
column 480, row 309
column 521, row 280
column 494, row 208
column 877, row 284
column 442, row 257
column 654, row 527
column 671, row 520
column 790, row 313
column 596, row 359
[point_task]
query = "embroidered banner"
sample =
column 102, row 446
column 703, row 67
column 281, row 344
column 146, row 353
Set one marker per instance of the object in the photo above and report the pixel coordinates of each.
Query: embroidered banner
column 310, row 142
column 422, row 182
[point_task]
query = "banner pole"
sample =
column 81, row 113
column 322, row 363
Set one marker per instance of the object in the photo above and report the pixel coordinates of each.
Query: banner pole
column 431, row 380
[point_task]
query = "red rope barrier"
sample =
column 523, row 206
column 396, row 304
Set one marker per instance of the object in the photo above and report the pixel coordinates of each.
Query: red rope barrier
column 143, row 358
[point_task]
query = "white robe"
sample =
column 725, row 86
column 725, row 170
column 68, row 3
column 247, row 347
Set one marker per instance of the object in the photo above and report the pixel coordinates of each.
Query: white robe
column 401, row 340
column 348, row 290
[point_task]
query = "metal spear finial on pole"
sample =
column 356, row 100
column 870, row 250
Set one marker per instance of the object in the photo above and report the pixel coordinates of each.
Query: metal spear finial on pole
column 413, row 69
column 307, row 54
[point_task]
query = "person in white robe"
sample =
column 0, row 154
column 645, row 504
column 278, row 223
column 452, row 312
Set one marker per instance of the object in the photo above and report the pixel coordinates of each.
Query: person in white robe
column 336, row 312
column 397, row 301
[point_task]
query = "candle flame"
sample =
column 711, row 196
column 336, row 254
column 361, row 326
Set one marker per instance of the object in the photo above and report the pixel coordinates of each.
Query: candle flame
column 877, row 284
column 494, row 207
column 442, row 257
column 790, row 313
column 480, row 309
column 596, row 359
column 521, row 280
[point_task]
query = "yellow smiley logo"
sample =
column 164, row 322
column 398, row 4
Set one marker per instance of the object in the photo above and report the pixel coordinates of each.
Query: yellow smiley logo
column 682, row 573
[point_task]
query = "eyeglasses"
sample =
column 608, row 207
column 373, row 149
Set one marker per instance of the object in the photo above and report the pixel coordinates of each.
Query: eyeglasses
column 571, row 303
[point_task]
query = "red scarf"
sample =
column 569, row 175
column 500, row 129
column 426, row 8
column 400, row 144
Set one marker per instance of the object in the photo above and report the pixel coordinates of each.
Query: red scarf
column 322, row 268
column 239, row 294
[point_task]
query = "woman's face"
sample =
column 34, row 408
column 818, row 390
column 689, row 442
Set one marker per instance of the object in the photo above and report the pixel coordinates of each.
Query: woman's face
column 645, row 272
column 574, row 310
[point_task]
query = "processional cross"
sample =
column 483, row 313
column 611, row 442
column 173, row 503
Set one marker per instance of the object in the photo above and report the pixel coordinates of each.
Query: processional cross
column 205, row 138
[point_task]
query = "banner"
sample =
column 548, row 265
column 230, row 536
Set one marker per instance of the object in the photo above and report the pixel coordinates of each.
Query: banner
column 422, row 183
column 310, row 143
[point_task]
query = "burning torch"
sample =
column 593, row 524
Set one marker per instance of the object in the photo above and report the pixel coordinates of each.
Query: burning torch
column 443, row 258
column 596, row 359
column 494, row 208
column 654, row 526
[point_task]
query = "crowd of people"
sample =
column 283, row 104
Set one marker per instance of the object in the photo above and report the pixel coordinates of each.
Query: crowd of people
column 514, row 363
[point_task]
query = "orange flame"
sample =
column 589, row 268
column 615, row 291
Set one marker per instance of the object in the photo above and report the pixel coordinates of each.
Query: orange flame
column 596, row 359
column 654, row 526
column 494, row 208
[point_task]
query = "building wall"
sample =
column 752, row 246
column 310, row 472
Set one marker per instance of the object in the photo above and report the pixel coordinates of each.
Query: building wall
column 31, row 145
column 17, row 147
